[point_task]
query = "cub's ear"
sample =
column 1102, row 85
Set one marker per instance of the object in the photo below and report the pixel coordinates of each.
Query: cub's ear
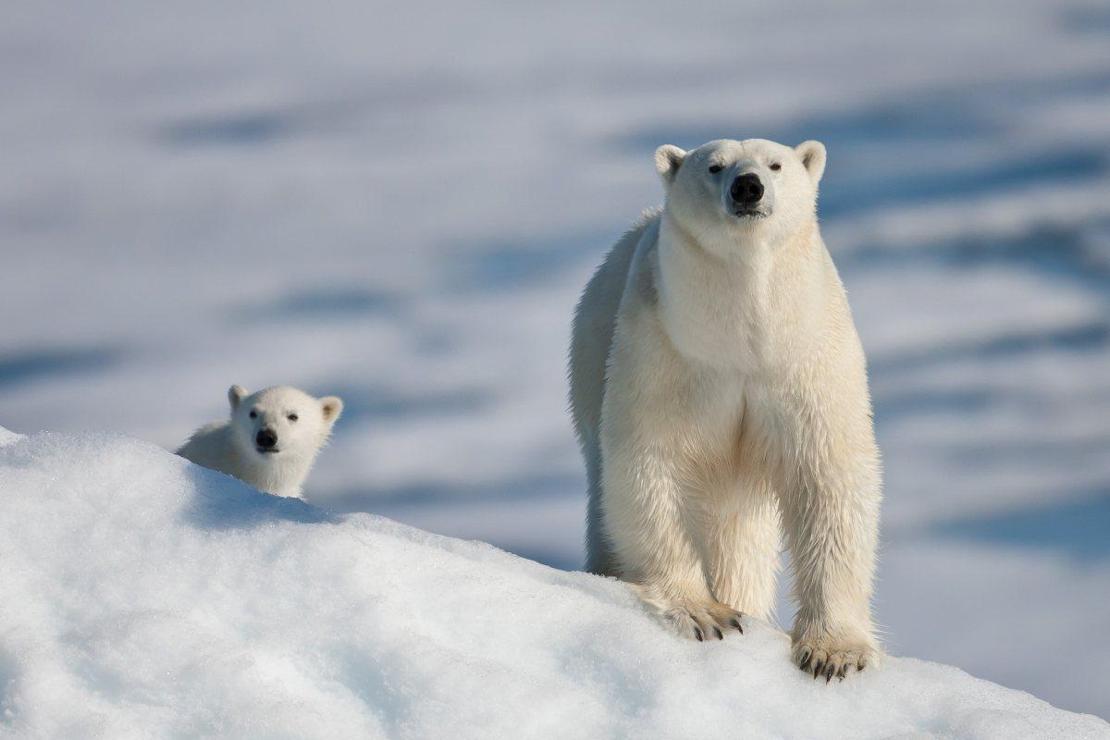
column 332, row 406
column 812, row 154
column 668, row 158
column 235, row 394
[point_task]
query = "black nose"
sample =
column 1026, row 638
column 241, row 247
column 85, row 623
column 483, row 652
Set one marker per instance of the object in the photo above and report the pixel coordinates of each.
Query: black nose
column 746, row 189
column 266, row 439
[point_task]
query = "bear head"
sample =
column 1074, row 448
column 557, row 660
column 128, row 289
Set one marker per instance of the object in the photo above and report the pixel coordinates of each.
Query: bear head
column 281, row 422
column 726, row 191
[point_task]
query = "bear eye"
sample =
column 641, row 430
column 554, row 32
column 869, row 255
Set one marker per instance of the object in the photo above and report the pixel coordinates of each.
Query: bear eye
column 715, row 168
column 254, row 414
column 776, row 166
column 292, row 417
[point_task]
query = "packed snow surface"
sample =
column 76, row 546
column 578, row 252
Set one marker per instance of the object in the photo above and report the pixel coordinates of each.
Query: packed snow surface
column 146, row 596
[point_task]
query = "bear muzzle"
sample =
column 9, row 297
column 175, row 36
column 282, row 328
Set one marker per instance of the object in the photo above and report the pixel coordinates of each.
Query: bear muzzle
column 266, row 441
column 746, row 195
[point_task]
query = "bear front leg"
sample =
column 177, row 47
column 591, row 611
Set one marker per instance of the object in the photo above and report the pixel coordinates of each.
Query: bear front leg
column 742, row 549
column 831, row 518
column 647, row 518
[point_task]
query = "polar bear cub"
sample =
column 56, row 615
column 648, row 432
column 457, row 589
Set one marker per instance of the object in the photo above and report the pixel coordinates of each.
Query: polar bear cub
column 719, row 394
column 271, row 439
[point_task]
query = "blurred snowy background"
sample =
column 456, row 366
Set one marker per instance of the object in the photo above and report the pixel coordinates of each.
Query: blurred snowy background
column 399, row 204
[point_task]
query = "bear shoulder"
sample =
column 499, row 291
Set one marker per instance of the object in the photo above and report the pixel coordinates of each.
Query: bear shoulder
column 209, row 445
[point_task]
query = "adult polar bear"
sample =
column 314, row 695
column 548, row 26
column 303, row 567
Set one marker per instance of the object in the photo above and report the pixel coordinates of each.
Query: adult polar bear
column 719, row 388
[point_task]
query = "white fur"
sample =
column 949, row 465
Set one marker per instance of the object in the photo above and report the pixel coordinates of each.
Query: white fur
column 229, row 446
column 719, row 392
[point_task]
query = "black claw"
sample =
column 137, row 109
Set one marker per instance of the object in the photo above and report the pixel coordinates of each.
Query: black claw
column 737, row 625
column 698, row 634
column 817, row 666
column 718, row 633
column 842, row 672
column 829, row 672
column 806, row 655
column 860, row 667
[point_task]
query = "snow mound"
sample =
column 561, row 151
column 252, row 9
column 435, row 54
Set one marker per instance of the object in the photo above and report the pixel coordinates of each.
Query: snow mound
column 142, row 595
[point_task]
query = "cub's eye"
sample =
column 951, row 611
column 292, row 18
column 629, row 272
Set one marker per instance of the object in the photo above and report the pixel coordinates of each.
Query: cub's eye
column 254, row 414
column 715, row 168
column 776, row 166
column 292, row 417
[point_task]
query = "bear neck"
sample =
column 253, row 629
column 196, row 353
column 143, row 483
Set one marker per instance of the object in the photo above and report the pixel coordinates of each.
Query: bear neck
column 737, row 312
column 281, row 476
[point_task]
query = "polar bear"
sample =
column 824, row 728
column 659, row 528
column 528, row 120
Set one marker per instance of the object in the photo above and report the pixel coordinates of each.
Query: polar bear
column 271, row 439
column 719, row 393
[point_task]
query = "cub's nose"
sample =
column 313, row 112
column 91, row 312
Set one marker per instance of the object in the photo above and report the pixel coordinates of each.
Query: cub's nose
column 746, row 189
column 266, row 439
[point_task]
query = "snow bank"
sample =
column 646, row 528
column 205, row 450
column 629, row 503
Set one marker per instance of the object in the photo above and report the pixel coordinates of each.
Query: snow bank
column 142, row 595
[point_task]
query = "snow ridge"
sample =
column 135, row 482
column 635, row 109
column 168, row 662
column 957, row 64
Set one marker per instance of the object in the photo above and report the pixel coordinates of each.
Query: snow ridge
column 145, row 596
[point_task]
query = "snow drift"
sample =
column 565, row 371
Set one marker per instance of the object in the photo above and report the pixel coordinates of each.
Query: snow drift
column 142, row 595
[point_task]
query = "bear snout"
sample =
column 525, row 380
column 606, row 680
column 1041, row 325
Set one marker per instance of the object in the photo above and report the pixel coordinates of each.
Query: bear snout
column 266, row 440
column 746, row 189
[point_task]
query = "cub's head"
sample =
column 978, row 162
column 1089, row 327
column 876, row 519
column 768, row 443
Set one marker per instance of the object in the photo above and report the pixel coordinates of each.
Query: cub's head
column 281, row 422
column 728, row 190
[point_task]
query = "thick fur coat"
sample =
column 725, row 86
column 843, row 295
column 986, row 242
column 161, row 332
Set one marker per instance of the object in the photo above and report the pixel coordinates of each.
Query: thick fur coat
column 719, row 393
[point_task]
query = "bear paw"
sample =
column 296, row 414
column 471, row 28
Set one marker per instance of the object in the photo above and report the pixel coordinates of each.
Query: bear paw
column 703, row 621
column 699, row 618
column 830, row 658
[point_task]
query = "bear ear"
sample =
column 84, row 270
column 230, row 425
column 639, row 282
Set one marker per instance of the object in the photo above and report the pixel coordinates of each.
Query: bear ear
column 332, row 406
column 812, row 154
column 235, row 394
column 668, row 158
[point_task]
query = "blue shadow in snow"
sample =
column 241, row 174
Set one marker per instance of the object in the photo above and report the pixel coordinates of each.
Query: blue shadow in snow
column 323, row 303
column 514, row 264
column 1032, row 451
column 956, row 118
column 409, row 497
column 1093, row 20
column 921, row 121
column 963, row 113
column 1076, row 528
column 898, row 404
column 846, row 192
column 1083, row 337
column 26, row 366
column 222, row 502
column 370, row 403
column 1059, row 252
column 253, row 128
